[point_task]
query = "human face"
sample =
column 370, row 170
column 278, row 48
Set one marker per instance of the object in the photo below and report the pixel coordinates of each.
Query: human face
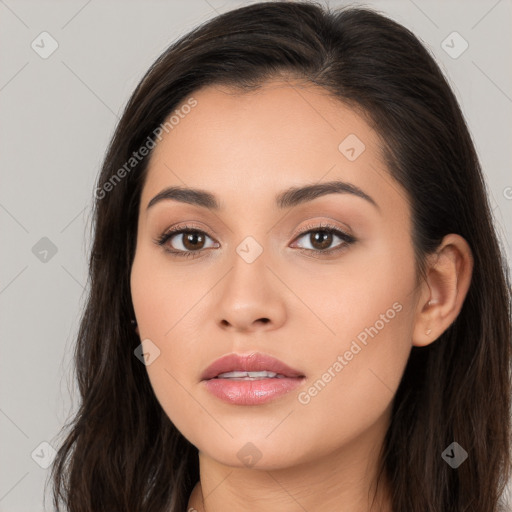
column 343, row 319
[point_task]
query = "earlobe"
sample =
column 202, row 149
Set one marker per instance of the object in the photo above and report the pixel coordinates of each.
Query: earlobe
column 425, row 331
column 448, row 279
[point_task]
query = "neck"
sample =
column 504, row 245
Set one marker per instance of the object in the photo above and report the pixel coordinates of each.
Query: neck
column 344, row 480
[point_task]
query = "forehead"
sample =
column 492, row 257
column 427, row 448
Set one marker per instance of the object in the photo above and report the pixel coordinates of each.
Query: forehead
column 282, row 134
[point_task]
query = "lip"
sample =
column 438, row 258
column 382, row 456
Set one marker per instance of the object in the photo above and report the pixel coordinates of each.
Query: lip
column 254, row 362
column 250, row 392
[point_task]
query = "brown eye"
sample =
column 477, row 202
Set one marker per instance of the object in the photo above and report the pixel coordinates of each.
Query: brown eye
column 321, row 238
column 184, row 241
column 193, row 240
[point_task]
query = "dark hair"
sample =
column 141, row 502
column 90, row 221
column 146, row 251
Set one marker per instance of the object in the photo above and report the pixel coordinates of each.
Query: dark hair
column 122, row 452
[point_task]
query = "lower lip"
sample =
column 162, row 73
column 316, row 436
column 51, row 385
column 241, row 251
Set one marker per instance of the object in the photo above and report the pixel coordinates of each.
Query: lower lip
column 251, row 392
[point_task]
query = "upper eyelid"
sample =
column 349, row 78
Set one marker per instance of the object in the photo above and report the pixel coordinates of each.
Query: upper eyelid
column 314, row 226
column 322, row 225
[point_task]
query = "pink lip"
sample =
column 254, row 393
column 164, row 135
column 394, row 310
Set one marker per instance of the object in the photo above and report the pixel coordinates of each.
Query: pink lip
column 253, row 362
column 250, row 392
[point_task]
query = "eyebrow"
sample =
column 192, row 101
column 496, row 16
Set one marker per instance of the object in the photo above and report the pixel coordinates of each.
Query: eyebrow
column 286, row 199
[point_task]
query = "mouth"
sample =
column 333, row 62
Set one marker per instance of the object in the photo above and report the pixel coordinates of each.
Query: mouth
column 238, row 375
column 249, row 366
column 251, row 379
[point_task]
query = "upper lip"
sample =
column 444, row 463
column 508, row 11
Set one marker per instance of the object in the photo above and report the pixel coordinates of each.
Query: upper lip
column 254, row 362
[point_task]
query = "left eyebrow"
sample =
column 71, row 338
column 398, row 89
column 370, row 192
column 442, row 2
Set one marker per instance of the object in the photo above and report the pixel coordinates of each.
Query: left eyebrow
column 297, row 195
column 288, row 198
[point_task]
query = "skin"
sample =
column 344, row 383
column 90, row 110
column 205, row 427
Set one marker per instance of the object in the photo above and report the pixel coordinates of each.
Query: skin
column 246, row 148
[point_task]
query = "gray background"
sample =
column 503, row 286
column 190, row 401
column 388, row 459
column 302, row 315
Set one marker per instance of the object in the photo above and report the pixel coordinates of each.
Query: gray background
column 57, row 117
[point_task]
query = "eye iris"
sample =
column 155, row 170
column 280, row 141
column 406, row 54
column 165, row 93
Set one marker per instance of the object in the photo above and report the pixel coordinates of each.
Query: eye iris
column 193, row 238
column 324, row 237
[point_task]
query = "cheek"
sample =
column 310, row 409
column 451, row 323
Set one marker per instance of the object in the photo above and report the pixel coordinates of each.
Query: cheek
column 164, row 316
column 355, row 378
column 160, row 294
column 356, row 374
column 368, row 290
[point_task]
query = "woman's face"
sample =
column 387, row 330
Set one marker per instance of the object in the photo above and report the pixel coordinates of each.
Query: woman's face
column 264, row 276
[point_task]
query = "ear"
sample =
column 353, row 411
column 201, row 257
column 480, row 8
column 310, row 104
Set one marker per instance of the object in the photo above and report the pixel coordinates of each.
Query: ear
column 448, row 276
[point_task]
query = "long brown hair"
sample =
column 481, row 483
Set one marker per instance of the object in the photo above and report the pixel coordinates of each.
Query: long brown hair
column 121, row 452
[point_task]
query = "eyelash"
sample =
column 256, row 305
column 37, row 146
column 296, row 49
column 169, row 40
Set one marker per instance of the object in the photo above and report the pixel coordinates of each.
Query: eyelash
column 327, row 228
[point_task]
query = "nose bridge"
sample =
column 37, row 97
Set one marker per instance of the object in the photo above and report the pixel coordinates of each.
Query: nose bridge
column 248, row 275
column 248, row 294
column 251, row 249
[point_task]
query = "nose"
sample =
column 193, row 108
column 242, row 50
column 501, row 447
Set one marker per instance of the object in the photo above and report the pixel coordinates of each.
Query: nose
column 251, row 298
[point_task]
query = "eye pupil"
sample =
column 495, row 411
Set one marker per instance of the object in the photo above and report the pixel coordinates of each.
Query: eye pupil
column 324, row 237
column 192, row 238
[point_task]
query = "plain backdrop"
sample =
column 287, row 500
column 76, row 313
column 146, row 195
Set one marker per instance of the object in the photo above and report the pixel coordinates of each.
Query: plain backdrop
column 58, row 113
